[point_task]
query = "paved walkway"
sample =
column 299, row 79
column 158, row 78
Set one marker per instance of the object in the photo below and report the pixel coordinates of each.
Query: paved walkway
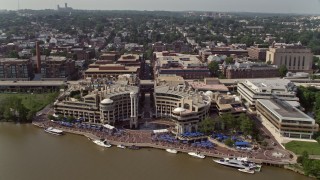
column 145, row 139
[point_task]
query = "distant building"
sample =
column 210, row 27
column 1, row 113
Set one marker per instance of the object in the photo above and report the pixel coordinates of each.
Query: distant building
column 109, row 70
column 187, row 66
column 65, row 8
column 295, row 57
column 250, row 70
column 56, row 67
column 209, row 84
column 129, row 60
column 285, row 121
column 205, row 53
column 257, row 52
column 16, row 69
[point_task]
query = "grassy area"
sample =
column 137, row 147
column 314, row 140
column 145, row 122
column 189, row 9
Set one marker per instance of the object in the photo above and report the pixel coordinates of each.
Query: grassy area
column 33, row 101
column 313, row 148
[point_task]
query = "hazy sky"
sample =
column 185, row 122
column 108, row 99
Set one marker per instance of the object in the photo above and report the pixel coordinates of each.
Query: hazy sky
column 276, row 6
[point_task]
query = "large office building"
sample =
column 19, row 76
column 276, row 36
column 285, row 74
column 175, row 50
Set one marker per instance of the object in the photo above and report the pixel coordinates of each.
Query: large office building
column 106, row 104
column 284, row 120
column 295, row 57
column 254, row 89
column 16, row 69
column 184, row 106
column 187, row 66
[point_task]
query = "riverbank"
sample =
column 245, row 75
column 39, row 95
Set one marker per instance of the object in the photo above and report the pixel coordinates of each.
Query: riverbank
column 144, row 139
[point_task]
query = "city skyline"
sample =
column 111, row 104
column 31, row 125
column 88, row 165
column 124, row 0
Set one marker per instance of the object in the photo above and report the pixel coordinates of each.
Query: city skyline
column 263, row 6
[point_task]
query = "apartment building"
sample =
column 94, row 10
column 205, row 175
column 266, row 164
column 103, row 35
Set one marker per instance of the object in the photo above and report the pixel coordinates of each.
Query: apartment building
column 58, row 67
column 16, row 69
column 107, row 104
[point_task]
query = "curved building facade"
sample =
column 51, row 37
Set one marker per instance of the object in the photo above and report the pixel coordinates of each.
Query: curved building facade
column 106, row 105
column 184, row 106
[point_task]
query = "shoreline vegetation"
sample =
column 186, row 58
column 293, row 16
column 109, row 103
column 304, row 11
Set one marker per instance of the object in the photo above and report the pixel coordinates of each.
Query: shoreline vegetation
column 21, row 108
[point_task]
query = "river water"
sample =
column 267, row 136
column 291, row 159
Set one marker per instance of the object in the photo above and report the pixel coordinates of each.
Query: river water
column 28, row 153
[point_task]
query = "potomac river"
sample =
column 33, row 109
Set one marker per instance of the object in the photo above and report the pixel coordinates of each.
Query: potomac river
column 28, row 153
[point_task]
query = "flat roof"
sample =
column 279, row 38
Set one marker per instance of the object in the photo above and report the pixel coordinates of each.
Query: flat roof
column 31, row 83
column 203, row 86
column 284, row 110
column 128, row 69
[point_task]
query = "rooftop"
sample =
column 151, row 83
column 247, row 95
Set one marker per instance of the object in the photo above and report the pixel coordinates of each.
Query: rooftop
column 284, row 110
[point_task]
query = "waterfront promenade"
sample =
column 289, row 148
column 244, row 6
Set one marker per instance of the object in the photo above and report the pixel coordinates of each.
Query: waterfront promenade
column 144, row 138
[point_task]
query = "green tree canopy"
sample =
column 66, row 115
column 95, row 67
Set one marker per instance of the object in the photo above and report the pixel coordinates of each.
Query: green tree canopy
column 207, row 126
column 283, row 70
column 214, row 68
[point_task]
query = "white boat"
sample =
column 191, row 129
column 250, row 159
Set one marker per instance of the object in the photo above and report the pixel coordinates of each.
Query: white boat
column 173, row 151
column 54, row 131
column 240, row 163
column 197, row 155
column 102, row 143
column 121, row 146
column 246, row 170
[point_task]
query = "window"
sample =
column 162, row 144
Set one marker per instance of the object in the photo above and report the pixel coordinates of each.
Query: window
column 285, row 61
column 290, row 61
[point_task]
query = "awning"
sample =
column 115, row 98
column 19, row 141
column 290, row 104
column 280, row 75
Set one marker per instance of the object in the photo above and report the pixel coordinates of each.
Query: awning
column 242, row 143
column 108, row 126
column 160, row 131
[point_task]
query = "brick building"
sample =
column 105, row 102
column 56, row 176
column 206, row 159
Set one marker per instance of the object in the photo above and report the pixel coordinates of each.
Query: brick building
column 58, row 67
column 13, row 68
column 187, row 66
column 257, row 52
column 250, row 70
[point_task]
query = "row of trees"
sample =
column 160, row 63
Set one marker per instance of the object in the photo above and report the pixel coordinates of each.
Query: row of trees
column 228, row 121
column 12, row 109
column 310, row 167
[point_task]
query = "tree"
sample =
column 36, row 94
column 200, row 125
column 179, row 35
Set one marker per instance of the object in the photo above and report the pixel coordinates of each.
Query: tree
column 283, row 70
column 229, row 60
column 214, row 68
column 247, row 126
column 228, row 120
column 207, row 126
column 51, row 117
column 30, row 115
column 229, row 142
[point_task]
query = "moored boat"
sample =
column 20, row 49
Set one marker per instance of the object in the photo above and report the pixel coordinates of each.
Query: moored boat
column 239, row 163
column 133, row 147
column 246, row 170
column 197, row 155
column 121, row 146
column 54, row 131
column 173, row 151
column 102, row 143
